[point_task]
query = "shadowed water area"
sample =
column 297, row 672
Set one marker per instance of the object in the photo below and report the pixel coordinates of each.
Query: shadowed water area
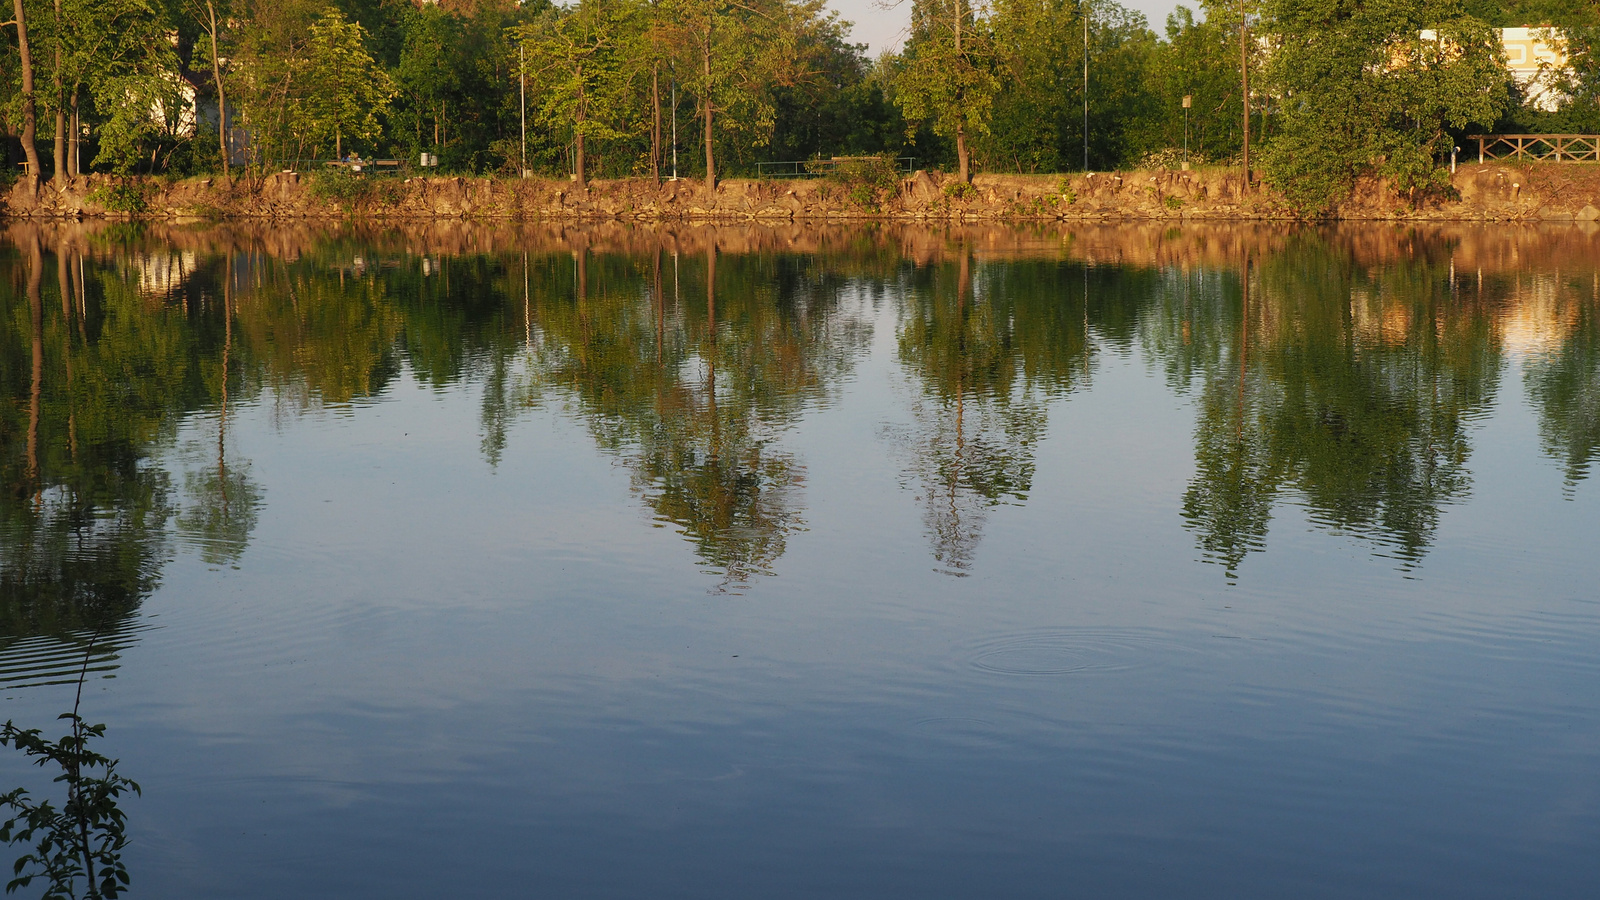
column 795, row 562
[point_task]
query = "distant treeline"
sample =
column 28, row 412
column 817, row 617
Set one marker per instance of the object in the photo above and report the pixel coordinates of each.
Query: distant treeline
column 712, row 87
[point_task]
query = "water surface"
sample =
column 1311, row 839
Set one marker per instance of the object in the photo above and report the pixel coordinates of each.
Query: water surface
column 698, row 562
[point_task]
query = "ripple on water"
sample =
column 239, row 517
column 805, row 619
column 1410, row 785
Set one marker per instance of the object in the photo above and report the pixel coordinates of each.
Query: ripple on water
column 59, row 659
column 1069, row 651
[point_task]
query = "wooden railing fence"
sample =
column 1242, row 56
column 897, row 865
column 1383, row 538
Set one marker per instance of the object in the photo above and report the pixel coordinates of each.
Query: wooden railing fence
column 1554, row 147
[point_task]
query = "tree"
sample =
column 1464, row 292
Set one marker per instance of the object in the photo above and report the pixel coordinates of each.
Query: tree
column 732, row 52
column 1200, row 59
column 1040, row 55
column 121, row 53
column 205, row 13
column 1374, row 87
column 348, row 92
column 428, row 76
column 947, row 79
column 1564, row 385
column 581, row 67
column 85, row 838
column 30, row 111
column 273, row 51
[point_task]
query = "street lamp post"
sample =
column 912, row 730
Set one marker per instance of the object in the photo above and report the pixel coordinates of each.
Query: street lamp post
column 1187, row 101
column 522, row 87
column 1085, row 8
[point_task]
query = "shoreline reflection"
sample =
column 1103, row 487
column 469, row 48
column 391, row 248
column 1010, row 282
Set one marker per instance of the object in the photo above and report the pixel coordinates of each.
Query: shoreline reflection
column 1339, row 368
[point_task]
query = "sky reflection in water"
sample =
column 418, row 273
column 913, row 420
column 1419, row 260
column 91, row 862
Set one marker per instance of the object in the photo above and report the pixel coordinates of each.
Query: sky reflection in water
column 888, row 562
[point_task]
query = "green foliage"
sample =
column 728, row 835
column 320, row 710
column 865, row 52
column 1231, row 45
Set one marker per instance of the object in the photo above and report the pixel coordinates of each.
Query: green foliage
column 582, row 70
column 121, row 197
column 1365, row 92
column 729, row 58
column 340, row 185
column 1370, row 429
column 947, row 78
column 1200, row 59
column 1343, row 88
column 310, row 88
column 121, row 64
column 82, row 841
column 960, row 190
column 428, row 79
column 866, row 180
column 839, row 102
column 347, row 91
column 1037, row 122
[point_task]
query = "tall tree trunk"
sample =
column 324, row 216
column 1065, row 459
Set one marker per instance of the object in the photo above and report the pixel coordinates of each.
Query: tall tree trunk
column 222, row 95
column 705, row 102
column 711, row 286
column 29, row 110
column 578, row 159
column 655, row 126
column 963, row 161
column 59, row 149
column 64, row 288
column 74, row 164
column 1244, row 89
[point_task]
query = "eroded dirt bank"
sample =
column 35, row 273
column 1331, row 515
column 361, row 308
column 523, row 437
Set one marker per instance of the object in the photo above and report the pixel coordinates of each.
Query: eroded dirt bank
column 1489, row 192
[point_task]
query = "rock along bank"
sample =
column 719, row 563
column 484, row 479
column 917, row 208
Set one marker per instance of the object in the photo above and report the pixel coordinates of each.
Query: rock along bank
column 1487, row 192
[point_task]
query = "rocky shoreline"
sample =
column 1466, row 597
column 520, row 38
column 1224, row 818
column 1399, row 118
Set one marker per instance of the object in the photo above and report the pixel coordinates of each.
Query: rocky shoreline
column 1492, row 192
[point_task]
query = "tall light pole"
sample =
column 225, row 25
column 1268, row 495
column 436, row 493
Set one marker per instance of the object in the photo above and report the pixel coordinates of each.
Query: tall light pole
column 1187, row 101
column 522, row 84
column 1084, row 7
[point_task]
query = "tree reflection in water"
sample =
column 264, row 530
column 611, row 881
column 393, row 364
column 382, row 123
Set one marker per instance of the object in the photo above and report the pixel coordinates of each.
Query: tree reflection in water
column 82, row 520
column 693, row 386
column 1563, row 376
column 986, row 361
column 1354, row 388
column 1347, row 380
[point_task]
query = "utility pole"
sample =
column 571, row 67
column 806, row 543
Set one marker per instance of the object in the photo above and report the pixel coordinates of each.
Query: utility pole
column 522, row 86
column 1084, row 8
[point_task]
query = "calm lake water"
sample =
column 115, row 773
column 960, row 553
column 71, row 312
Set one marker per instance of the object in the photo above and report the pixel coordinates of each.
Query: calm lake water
column 479, row 561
